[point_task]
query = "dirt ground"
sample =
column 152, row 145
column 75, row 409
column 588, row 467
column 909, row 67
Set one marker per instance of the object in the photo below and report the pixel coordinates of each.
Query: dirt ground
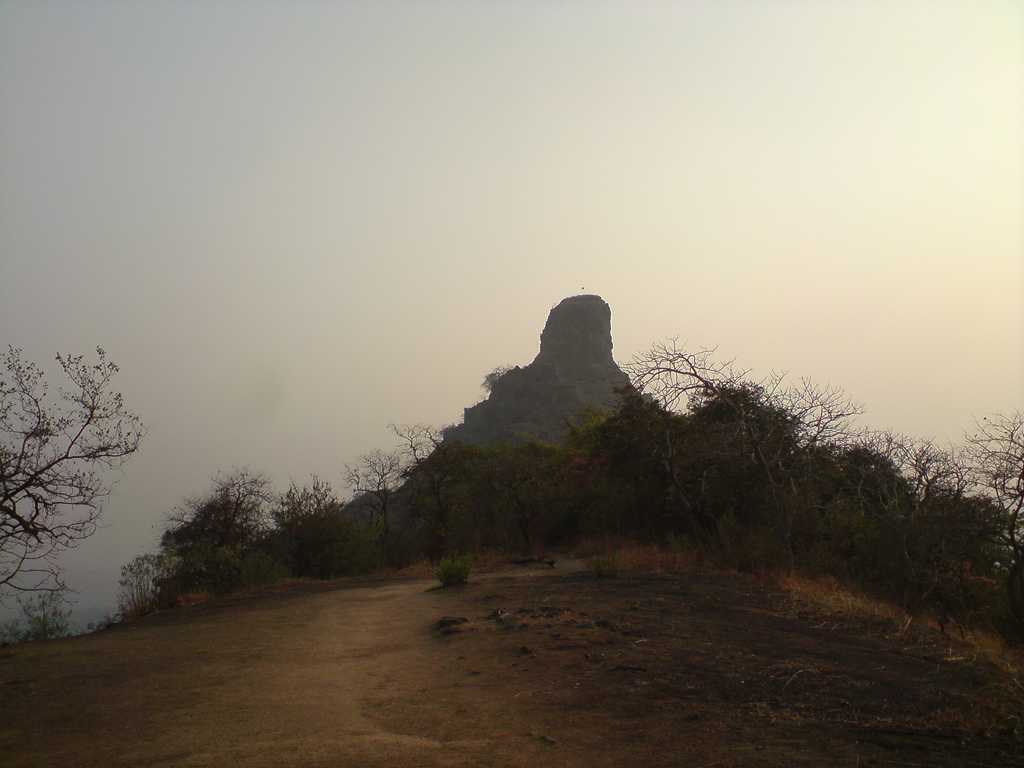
column 538, row 667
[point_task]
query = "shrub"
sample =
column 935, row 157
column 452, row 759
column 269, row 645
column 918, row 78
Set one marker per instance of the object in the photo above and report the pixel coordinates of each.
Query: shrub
column 10, row 632
column 205, row 567
column 604, row 567
column 454, row 570
column 328, row 545
column 139, row 586
column 43, row 617
column 258, row 569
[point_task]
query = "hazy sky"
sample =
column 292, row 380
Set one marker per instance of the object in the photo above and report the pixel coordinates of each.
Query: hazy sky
column 293, row 223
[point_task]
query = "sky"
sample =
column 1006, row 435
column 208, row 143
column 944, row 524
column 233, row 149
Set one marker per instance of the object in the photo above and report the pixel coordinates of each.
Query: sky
column 294, row 223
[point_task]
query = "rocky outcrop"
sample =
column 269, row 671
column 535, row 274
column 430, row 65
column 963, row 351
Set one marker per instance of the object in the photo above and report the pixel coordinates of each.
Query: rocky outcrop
column 573, row 370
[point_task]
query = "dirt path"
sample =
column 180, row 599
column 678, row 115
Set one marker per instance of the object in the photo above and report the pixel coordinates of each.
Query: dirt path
column 344, row 677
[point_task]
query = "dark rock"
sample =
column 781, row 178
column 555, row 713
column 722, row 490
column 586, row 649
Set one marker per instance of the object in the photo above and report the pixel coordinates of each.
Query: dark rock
column 450, row 622
column 573, row 370
column 545, row 739
column 534, row 561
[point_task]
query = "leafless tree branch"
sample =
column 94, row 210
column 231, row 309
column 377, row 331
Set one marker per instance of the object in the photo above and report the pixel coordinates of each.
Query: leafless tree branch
column 53, row 456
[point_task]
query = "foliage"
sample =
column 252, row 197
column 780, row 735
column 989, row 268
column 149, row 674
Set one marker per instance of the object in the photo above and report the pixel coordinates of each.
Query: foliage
column 44, row 616
column 454, row 570
column 210, row 537
column 759, row 475
column 772, row 475
column 234, row 515
column 523, row 486
column 315, row 537
column 696, row 462
column 301, row 503
column 330, row 545
column 140, row 584
column 53, row 455
column 240, row 535
column 257, row 569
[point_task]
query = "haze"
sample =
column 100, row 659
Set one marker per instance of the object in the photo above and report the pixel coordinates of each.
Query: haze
column 292, row 224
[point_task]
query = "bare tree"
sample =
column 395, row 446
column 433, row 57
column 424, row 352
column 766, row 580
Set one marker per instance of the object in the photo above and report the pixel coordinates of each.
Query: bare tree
column 433, row 465
column 675, row 377
column 417, row 441
column 377, row 476
column 923, row 490
column 996, row 450
column 53, row 454
column 821, row 413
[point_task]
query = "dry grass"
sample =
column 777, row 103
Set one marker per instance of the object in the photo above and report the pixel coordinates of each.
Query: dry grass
column 824, row 594
column 489, row 560
column 994, row 649
column 991, row 648
column 420, row 569
column 838, row 600
column 830, row 596
column 631, row 557
column 640, row 557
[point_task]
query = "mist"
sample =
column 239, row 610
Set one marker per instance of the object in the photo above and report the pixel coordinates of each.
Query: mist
column 293, row 224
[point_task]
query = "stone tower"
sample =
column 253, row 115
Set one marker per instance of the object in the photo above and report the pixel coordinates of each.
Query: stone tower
column 573, row 370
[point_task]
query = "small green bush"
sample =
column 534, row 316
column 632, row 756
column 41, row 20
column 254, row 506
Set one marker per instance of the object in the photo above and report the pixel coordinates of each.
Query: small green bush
column 454, row 570
column 604, row 567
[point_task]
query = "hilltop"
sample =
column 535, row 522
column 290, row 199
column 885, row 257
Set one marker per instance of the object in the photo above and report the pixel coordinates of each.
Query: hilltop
column 549, row 667
column 744, row 487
